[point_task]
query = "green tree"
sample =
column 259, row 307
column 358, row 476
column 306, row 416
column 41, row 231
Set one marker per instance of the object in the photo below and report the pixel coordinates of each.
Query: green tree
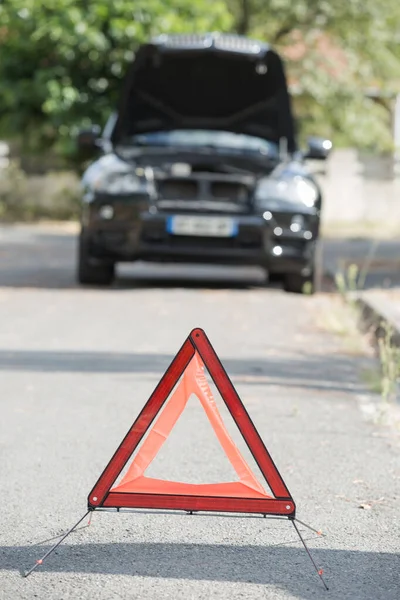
column 351, row 47
column 62, row 60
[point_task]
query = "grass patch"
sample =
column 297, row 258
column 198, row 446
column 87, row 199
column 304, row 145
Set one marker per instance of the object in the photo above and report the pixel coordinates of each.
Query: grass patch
column 372, row 378
column 389, row 356
column 385, row 379
column 340, row 319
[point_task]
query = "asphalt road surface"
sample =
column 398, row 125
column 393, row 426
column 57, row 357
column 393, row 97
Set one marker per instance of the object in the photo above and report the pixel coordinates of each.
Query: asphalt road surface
column 76, row 367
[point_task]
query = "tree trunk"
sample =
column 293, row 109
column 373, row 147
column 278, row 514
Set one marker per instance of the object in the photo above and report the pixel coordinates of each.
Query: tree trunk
column 243, row 24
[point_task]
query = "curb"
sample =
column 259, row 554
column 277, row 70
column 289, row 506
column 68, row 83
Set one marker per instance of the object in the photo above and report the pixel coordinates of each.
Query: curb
column 374, row 315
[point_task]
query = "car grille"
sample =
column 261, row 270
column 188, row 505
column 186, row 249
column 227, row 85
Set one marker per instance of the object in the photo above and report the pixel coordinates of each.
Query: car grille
column 172, row 189
column 226, row 190
column 157, row 235
column 203, row 195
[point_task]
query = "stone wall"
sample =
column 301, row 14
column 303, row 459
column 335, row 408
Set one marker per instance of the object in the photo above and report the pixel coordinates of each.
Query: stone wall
column 359, row 188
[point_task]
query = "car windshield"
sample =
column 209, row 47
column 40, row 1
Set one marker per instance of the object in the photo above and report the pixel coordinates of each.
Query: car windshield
column 201, row 137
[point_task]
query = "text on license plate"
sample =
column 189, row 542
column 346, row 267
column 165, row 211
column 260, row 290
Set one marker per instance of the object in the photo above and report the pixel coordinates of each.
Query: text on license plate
column 202, row 226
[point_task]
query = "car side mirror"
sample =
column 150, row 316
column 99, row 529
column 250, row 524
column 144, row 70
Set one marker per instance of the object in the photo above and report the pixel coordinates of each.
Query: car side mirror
column 318, row 148
column 88, row 139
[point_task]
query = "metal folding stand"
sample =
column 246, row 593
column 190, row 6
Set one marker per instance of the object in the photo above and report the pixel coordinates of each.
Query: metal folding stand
column 63, row 536
column 319, row 571
column 56, row 537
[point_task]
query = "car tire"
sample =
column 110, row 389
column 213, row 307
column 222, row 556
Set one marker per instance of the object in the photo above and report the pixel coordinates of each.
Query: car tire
column 90, row 272
column 298, row 284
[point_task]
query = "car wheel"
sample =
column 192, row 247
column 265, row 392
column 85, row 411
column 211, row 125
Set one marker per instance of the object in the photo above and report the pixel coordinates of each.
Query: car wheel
column 92, row 273
column 299, row 284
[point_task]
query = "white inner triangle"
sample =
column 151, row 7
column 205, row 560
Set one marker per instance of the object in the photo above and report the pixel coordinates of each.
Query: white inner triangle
column 192, row 452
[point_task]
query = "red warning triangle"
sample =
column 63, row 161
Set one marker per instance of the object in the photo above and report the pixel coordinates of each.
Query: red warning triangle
column 136, row 490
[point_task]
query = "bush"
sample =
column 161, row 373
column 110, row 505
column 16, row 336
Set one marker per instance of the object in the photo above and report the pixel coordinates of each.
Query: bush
column 52, row 196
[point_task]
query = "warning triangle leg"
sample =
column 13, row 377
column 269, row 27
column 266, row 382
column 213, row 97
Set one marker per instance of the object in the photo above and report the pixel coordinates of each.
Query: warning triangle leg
column 317, row 531
column 40, row 560
column 56, row 537
column 319, row 571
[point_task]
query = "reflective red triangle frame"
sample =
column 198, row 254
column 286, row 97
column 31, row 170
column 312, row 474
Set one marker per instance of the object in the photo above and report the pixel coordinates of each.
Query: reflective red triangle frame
column 102, row 497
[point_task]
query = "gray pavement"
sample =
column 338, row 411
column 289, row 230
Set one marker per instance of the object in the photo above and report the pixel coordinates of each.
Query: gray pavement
column 76, row 367
column 45, row 260
column 378, row 260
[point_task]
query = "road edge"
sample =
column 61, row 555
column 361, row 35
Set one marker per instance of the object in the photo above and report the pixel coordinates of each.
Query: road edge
column 375, row 315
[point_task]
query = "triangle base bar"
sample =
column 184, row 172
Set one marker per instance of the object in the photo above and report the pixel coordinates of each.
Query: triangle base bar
column 267, row 506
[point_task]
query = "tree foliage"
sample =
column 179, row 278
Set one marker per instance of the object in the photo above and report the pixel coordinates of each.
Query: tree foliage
column 348, row 72
column 61, row 61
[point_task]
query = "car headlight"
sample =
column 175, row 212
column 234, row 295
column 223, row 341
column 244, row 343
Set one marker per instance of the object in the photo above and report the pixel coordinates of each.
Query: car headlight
column 118, row 182
column 111, row 175
column 293, row 190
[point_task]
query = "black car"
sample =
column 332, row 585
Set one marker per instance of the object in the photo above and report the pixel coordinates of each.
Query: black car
column 200, row 164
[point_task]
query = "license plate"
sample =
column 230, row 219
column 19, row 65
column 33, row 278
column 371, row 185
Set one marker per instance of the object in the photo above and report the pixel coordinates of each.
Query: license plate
column 202, row 226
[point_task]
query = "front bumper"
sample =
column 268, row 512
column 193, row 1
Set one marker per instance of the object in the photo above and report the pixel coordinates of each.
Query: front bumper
column 147, row 238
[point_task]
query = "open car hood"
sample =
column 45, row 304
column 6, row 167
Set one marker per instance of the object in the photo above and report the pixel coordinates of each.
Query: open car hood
column 217, row 82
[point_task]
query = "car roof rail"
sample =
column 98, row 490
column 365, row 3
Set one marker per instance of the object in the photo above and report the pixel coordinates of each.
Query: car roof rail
column 219, row 41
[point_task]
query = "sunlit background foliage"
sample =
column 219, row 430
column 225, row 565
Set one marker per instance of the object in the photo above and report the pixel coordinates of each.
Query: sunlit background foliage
column 61, row 61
